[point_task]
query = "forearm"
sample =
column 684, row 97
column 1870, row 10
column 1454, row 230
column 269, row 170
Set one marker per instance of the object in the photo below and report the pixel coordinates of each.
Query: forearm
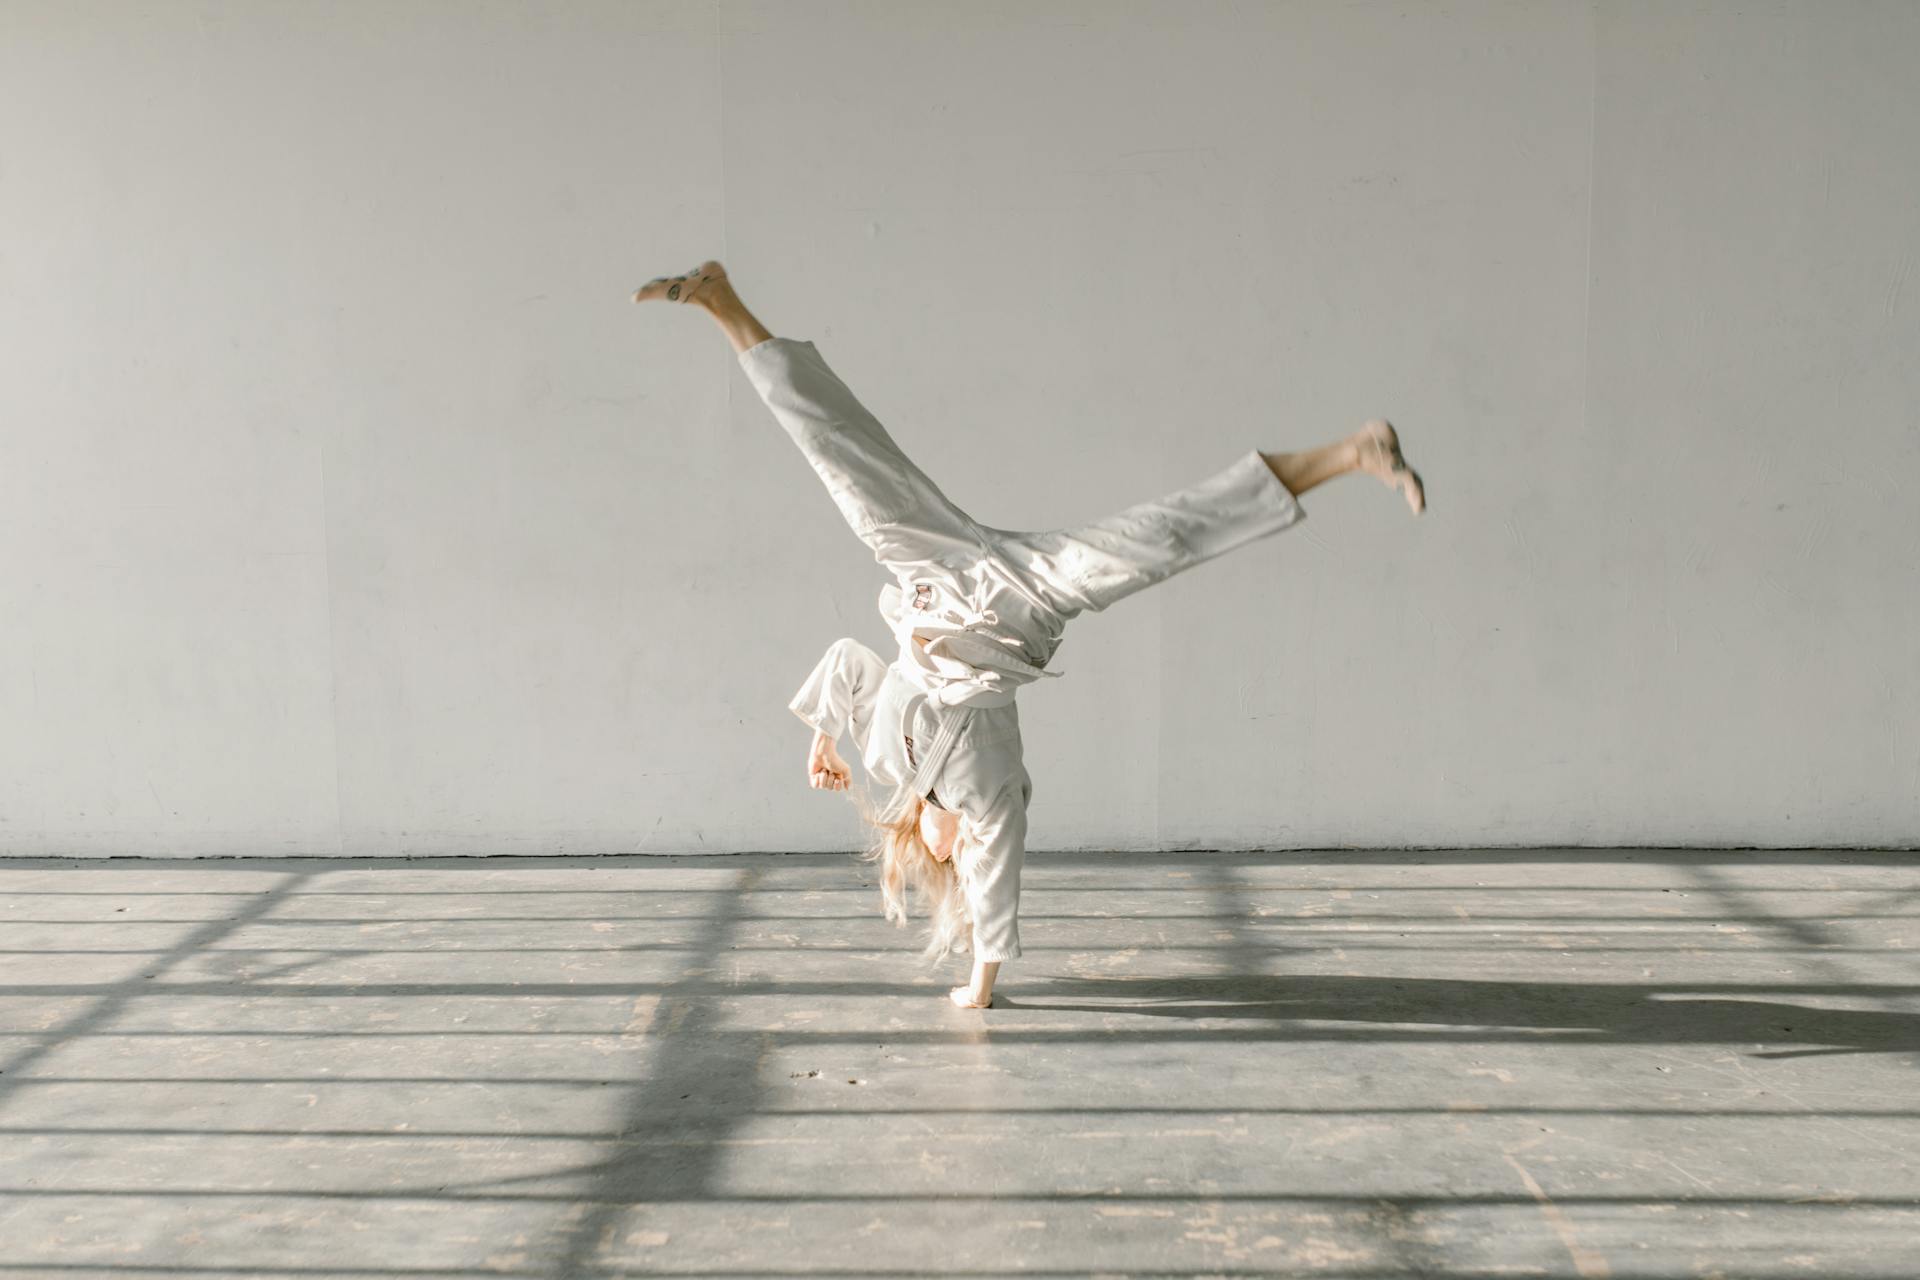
column 839, row 692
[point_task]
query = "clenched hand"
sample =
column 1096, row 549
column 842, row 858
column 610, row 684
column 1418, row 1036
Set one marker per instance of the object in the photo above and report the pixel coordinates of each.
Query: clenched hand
column 826, row 771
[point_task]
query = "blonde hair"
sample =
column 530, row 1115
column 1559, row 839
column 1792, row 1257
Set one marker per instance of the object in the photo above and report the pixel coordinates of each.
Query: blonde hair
column 907, row 866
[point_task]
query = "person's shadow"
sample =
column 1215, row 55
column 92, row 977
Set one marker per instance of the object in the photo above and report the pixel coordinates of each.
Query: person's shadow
column 1431, row 1009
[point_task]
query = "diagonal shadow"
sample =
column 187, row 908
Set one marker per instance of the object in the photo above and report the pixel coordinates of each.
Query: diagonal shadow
column 698, row 1086
column 112, row 997
column 1606, row 1012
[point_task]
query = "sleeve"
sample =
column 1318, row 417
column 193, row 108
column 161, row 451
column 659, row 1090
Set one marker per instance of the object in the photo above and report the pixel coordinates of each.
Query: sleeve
column 991, row 861
column 839, row 695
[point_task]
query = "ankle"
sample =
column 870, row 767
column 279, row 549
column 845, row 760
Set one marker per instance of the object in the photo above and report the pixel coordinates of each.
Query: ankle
column 719, row 299
column 1294, row 471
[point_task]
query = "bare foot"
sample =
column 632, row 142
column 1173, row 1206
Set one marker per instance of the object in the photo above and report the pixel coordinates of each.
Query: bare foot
column 1378, row 450
column 963, row 996
column 708, row 277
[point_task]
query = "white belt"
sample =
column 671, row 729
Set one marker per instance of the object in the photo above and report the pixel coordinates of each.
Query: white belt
column 952, row 721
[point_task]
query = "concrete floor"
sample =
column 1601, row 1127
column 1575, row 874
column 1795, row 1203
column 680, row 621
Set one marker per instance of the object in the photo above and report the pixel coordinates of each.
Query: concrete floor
column 1538, row 1063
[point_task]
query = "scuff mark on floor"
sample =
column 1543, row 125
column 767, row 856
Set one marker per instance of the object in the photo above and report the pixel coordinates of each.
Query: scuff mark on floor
column 1585, row 1261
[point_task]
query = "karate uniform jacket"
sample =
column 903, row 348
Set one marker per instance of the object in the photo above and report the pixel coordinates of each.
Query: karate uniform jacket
column 852, row 690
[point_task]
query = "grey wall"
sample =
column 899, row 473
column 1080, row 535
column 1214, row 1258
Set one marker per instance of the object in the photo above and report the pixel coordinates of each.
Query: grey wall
column 347, row 505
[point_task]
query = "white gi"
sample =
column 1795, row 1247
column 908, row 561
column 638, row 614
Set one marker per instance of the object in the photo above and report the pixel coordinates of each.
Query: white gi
column 939, row 720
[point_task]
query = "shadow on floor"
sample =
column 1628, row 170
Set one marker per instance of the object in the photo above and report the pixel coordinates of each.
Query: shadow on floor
column 1602, row 1013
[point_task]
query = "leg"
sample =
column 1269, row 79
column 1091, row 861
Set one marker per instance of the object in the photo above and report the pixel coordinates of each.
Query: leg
column 731, row 314
column 1313, row 467
column 1374, row 449
column 708, row 288
column 1091, row 566
column 890, row 503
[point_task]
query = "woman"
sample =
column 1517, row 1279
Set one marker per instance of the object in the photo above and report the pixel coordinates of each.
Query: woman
column 977, row 612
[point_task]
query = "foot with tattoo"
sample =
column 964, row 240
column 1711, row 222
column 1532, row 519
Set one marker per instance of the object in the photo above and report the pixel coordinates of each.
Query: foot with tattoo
column 707, row 278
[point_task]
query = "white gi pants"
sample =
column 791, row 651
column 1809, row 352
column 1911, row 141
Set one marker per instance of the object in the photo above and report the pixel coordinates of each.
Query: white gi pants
column 906, row 521
column 1028, row 583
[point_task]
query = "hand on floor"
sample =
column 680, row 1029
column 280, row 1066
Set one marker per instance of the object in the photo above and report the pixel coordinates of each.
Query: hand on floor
column 963, row 996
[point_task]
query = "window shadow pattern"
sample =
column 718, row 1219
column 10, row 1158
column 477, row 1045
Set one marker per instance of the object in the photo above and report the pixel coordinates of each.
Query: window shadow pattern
column 1217, row 1064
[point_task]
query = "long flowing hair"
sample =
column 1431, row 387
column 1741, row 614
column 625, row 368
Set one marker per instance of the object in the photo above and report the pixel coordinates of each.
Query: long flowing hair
column 908, row 868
